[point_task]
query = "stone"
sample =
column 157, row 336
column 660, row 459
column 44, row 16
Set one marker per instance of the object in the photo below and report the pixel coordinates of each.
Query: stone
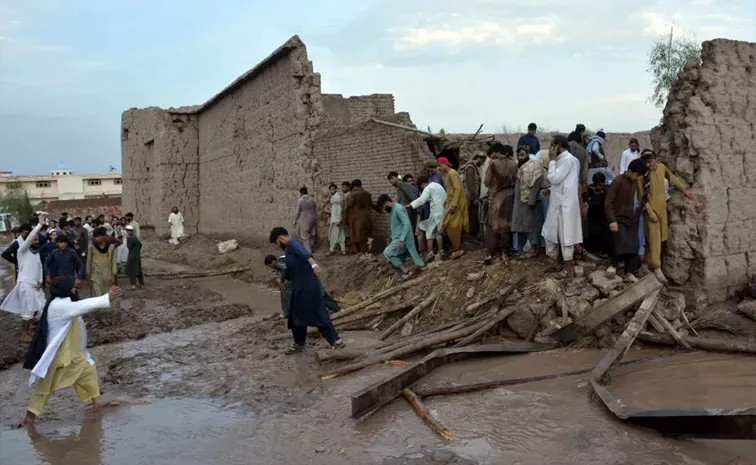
column 590, row 294
column 470, row 293
column 603, row 284
column 589, row 267
column 228, row 246
column 476, row 276
column 522, row 321
column 579, row 271
column 407, row 329
column 614, row 293
column 672, row 305
column 748, row 308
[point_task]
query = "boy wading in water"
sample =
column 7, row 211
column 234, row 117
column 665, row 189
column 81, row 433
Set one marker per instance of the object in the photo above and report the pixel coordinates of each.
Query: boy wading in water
column 306, row 306
column 58, row 356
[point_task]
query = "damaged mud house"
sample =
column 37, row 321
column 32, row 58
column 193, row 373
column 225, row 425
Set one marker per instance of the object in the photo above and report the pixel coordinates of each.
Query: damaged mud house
column 250, row 148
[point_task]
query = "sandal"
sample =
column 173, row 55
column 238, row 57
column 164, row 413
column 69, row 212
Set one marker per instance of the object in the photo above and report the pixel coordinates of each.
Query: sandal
column 293, row 349
column 340, row 344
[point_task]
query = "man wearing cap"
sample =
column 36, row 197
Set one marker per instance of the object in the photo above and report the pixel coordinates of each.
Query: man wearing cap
column 654, row 204
column 456, row 217
column 630, row 154
column 563, row 226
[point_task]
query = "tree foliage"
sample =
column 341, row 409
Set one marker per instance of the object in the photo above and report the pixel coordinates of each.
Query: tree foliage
column 15, row 200
column 667, row 58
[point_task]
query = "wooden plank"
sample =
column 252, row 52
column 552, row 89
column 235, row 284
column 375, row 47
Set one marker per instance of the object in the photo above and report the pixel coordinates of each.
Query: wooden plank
column 606, row 311
column 373, row 397
column 715, row 345
column 671, row 330
column 376, row 298
column 636, row 324
column 415, row 311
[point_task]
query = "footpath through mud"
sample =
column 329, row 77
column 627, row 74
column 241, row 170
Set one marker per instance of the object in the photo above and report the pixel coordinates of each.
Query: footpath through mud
column 200, row 384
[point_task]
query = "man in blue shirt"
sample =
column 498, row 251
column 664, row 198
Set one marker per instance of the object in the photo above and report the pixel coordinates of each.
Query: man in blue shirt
column 530, row 139
column 64, row 262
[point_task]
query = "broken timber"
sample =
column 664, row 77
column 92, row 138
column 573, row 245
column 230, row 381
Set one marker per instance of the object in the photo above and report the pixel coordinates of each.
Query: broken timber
column 606, row 311
column 713, row 423
column 423, row 412
column 383, row 392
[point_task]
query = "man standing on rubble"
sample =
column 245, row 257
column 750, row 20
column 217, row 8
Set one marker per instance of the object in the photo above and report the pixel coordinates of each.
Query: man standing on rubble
column 653, row 201
column 563, row 227
column 432, row 193
column 402, row 240
column 471, row 184
column 405, row 194
column 362, row 214
column 623, row 220
column 527, row 215
column 501, row 178
column 306, row 219
column 456, row 218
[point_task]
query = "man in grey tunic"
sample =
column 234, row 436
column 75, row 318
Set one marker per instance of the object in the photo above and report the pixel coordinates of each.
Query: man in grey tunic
column 306, row 219
column 527, row 216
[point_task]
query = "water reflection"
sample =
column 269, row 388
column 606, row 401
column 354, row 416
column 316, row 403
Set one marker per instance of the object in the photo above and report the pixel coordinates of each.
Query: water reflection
column 84, row 448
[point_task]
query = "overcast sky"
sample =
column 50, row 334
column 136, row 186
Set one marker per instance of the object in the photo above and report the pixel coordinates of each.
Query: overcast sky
column 69, row 68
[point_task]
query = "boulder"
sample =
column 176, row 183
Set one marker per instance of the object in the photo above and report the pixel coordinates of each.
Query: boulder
column 228, row 246
column 575, row 307
column 748, row 308
column 590, row 294
column 673, row 305
column 522, row 321
column 603, row 284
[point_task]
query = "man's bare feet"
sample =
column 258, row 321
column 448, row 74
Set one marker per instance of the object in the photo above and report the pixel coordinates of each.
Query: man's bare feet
column 98, row 403
column 28, row 420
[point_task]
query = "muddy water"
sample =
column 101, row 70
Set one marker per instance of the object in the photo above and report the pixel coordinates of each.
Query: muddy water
column 554, row 422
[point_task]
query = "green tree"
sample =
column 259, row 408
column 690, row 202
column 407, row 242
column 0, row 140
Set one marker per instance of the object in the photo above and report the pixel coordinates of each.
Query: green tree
column 15, row 200
column 667, row 58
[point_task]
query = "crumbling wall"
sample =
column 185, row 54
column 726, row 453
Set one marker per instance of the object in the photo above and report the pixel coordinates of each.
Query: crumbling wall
column 159, row 153
column 358, row 109
column 255, row 146
column 707, row 138
column 369, row 151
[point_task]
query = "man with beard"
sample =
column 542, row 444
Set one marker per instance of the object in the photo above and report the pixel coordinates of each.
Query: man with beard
column 101, row 268
column 623, row 220
column 306, row 307
column 26, row 299
column 405, row 194
column 456, row 218
column 562, row 227
column 361, row 204
column 630, row 154
column 527, row 216
column 471, row 182
column 501, row 178
column 402, row 240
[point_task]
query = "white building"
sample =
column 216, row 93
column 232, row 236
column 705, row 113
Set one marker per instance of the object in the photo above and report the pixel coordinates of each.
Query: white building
column 63, row 184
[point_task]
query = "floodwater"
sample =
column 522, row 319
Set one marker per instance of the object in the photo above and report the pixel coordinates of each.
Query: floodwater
column 213, row 394
column 548, row 422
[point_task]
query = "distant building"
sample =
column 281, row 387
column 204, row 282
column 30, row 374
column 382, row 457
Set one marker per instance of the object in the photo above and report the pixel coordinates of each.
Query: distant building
column 63, row 184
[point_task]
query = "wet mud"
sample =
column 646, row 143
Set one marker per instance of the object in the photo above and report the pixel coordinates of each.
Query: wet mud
column 220, row 393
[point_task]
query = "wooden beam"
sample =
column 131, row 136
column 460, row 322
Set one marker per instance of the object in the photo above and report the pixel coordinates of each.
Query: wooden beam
column 406, row 128
column 606, row 311
column 670, row 329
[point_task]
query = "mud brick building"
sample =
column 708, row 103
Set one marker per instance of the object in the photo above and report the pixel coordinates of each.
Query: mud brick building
column 235, row 164
column 707, row 138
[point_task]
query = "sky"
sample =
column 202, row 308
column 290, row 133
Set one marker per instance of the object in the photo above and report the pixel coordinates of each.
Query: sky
column 69, row 68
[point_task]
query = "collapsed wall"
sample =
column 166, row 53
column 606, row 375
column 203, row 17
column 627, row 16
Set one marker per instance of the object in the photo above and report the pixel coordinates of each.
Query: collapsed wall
column 707, row 138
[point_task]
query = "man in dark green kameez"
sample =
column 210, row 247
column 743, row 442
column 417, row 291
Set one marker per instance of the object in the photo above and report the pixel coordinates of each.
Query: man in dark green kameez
column 279, row 265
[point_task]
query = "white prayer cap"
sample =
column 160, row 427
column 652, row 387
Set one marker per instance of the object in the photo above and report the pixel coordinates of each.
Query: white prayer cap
column 129, row 227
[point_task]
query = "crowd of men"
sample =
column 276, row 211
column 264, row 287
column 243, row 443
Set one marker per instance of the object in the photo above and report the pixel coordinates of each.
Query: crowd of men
column 564, row 200
column 92, row 249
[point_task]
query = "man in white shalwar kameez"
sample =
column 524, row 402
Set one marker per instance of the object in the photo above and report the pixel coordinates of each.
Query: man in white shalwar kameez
column 434, row 193
column 58, row 355
column 27, row 297
column 563, row 227
column 176, row 220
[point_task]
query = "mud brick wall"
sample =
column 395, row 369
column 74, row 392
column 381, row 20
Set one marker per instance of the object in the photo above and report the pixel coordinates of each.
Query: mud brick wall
column 358, row 109
column 368, row 152
column 255, row 148
column 707, row 138
column 160, row 170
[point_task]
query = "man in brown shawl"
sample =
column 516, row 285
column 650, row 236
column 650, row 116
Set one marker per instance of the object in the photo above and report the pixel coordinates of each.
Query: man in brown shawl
column 360, row 205
column 501, row 177
column 527, row 217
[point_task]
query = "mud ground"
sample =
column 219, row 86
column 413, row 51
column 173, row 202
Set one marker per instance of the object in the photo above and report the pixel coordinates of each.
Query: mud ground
column 216, row 391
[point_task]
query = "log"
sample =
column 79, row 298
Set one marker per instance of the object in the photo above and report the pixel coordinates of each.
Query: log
column 501, row 316
column 472, row 308
column 656, row 324
column 372, row 313
column 419, row 337
column 499, row 297
column 376, row 298
column 329, row 355
column 670, row 329
column 429, row 341
column 415, row 311
column 188, row 275
column 715, row 345
column 423, row 413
